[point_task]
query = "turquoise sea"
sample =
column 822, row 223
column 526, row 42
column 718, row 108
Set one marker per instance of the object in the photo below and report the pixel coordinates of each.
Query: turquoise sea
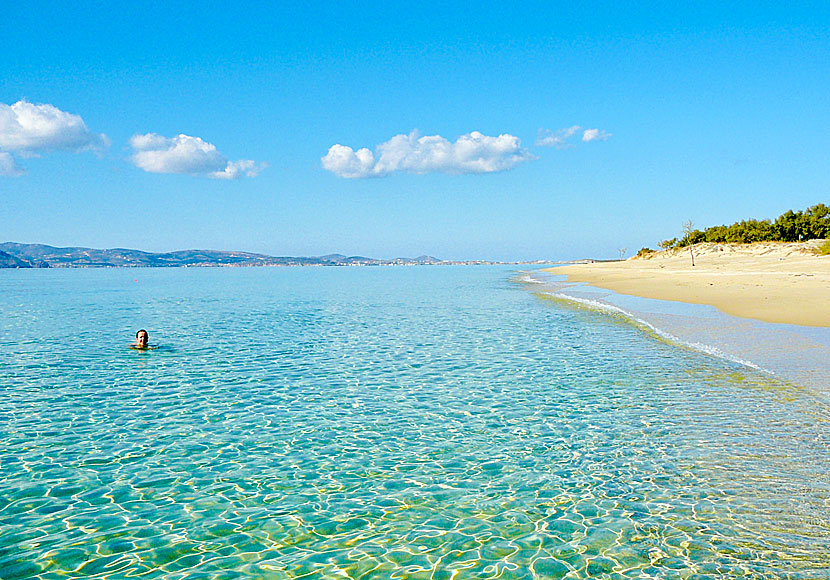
column 409, row 422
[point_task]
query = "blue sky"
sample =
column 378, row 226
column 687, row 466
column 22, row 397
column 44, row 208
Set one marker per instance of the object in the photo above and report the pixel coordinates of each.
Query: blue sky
column 212, row 127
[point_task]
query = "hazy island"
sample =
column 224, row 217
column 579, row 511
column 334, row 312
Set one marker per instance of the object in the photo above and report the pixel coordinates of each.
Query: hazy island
column 14, row 255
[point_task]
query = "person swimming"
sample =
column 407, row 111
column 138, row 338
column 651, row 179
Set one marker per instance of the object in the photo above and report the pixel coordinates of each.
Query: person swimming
column 142, row 341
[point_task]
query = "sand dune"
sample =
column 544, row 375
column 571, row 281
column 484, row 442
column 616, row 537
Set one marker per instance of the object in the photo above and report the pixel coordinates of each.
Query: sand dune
column 771, row 281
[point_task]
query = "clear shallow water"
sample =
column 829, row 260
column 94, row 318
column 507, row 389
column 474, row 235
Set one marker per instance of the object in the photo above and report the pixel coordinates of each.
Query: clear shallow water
column 798, row 354
column 386, row 423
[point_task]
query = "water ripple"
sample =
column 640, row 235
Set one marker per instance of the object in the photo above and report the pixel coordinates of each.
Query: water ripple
column 386, row 423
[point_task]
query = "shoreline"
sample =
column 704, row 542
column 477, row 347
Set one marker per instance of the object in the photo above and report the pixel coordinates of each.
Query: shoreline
column 777, row 282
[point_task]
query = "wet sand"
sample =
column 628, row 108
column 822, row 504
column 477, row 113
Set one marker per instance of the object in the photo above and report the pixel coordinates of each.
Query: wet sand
column 770, row 281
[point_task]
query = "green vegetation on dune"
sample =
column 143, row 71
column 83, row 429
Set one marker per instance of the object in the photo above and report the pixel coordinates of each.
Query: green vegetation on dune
column 811, row 224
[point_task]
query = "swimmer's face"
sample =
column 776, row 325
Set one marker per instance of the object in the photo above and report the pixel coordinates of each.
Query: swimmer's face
column 142, row 338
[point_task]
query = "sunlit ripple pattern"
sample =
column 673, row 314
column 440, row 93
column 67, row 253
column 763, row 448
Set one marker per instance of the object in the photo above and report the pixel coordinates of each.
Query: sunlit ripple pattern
column 428, row 422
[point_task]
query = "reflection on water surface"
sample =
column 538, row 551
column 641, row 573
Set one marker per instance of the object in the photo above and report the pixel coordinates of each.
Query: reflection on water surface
column 397, row 422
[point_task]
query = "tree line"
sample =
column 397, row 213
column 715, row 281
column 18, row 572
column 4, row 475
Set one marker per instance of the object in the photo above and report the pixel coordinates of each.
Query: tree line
column 810, row 224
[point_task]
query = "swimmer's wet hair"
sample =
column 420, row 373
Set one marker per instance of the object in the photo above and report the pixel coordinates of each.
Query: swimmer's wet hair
column 140, row 331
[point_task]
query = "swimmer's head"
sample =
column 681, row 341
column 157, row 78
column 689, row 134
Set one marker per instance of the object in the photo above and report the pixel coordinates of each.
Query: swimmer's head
column 142, row 338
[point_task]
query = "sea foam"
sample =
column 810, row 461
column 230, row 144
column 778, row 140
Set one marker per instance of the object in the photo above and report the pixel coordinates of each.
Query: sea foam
column 694, row 345
column 791, row 353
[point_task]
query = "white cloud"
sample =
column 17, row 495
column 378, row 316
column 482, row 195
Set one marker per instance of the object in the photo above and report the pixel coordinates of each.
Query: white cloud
column 181, row 154
column 558, row 139
column 562, row 138
column 185, row 154
column 471, row 153
column 236, row 169
column 26, row 130
column 29, row 128
column 8, row 167
column 595, row 135
column 346, row 162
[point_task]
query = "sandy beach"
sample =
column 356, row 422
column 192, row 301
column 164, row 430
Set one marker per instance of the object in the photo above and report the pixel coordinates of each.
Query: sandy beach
column 770, row 281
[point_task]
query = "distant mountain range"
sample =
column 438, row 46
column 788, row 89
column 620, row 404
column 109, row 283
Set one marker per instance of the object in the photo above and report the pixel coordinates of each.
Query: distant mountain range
column 13, row 255
column 9, row 261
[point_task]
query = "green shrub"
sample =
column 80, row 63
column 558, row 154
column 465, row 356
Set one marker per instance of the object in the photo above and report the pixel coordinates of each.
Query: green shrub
column 644, row 252
column 692, row 238
column 810, row 224
column 824, row 249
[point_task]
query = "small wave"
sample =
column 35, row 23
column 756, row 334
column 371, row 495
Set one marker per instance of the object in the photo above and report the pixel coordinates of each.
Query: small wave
column 697, row 346
column 528, row 278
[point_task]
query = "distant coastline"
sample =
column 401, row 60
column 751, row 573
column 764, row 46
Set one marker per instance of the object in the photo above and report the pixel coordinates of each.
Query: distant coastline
column 15, row 255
